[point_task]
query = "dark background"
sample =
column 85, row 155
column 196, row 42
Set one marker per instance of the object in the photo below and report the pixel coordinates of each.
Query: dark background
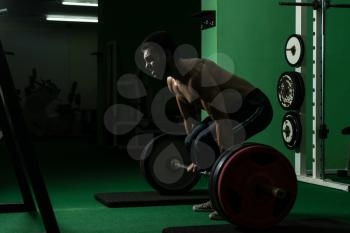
column 85, row 158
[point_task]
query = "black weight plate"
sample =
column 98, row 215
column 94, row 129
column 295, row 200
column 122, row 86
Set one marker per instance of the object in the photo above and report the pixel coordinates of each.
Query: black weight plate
column 290, row 90
column 234, row 181
column 291, row 130
column 157, row 169
column 294, row 50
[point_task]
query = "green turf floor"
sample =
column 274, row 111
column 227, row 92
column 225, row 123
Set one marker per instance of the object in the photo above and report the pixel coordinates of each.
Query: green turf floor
column 75, row 171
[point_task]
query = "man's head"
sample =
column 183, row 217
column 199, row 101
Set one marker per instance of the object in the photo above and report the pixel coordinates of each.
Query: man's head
column 157, row 50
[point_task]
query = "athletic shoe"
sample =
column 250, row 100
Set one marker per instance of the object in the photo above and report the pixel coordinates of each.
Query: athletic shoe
column 204, row 207
column 215, row 216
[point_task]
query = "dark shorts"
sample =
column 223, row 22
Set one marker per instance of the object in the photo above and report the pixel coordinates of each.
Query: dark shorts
column 254, row 116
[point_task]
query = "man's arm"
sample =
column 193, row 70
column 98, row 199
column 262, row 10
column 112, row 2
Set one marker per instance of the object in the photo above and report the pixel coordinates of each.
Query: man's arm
column 190, row 113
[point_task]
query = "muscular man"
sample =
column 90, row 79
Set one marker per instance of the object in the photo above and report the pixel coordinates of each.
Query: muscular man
column 236, row 109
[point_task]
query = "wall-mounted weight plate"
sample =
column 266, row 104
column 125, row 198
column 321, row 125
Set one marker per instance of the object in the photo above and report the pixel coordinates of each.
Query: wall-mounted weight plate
column 157, row 165
column 291, row 130
column 294, row 50
column 290, row 90
column 254, row 186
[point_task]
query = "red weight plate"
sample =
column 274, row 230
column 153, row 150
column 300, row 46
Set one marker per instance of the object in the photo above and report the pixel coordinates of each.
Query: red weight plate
column 238, row 196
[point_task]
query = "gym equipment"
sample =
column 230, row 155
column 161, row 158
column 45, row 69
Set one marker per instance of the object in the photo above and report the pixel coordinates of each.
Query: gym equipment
column 3, row 11
column 142, row 199
column 291, row 130
column 45, row 113
column 158, row 165
column 316, row 4
column 290, row 90
column 294, row 50
column 18, row 143
column 317, row 225
column 72, row 96
column 253, row 186
column 319, row 127
column 346, row 131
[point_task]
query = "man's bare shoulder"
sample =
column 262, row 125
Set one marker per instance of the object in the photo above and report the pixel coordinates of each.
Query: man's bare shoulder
column 188, row 64
column 203, row 77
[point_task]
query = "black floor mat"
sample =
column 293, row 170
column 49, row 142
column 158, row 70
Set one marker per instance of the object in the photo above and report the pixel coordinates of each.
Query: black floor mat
column 287, row 226
column 140, row 199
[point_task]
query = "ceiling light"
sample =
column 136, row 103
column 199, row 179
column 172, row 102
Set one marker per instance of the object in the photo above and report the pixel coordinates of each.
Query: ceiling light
column 72, row 18
column 80, row 3
column 3, row 10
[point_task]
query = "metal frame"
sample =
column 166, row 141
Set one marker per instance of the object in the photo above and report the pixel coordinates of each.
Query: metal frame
column 301, row 29
column 110, row 87
column 319, row 129
column 21, row 150
column 318, row 102
column 318, row 145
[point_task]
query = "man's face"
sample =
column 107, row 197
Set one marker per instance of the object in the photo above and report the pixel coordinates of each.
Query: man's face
column 155, row 62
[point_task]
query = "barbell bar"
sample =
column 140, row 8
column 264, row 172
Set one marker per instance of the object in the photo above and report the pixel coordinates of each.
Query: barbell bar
column 276, row 192
column 315, row 4
column 176, row 165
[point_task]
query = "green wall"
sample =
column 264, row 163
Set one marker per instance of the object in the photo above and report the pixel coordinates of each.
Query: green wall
column 253, row 35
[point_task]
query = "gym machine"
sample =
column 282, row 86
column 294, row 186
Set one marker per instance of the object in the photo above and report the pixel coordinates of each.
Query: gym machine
column 16, row 137
column 295, row 123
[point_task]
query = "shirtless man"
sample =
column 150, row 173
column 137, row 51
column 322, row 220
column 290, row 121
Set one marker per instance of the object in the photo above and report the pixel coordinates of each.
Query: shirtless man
column 236, row 109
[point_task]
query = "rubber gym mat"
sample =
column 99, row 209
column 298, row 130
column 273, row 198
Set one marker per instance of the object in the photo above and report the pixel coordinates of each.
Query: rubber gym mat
column 140, row 199
column 287, row 226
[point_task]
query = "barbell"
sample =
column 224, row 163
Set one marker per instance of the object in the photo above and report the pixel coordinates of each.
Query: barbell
column 253, row 186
